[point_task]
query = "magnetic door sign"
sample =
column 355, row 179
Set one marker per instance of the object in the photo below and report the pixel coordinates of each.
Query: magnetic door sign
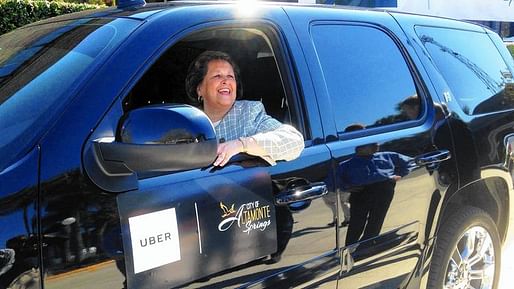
column 155, row 239
column 171, row 233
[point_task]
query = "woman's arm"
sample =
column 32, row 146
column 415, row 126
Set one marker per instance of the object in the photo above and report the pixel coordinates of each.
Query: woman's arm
column 284, row 143
column 269, row 139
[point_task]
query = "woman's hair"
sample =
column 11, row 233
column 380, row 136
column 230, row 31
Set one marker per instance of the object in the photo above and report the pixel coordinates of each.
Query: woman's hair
column 198, row 69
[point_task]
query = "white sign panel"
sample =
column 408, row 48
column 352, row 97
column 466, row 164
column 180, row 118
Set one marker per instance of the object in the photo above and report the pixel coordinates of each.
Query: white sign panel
column 155, row 239
column 484, row 10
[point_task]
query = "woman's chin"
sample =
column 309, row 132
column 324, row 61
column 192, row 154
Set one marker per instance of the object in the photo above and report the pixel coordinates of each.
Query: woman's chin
column 226, row 101
column 225, row 106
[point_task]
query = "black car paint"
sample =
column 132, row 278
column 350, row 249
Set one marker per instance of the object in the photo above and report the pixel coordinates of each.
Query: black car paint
column 65, row 229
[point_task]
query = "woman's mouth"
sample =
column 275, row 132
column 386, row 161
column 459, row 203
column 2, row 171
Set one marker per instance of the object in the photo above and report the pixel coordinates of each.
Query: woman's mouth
column 224, row 91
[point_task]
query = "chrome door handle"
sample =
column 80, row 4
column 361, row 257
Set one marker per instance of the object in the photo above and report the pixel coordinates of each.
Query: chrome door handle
column 302, row 193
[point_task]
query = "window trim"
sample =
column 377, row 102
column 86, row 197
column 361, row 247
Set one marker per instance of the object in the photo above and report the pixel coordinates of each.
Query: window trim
column 282, row 56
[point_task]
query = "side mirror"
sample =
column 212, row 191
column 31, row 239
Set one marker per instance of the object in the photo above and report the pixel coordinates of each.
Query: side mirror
column 159, row 138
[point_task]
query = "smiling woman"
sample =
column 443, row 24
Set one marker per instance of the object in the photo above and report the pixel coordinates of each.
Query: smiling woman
column 254, row 123
column 213, row 80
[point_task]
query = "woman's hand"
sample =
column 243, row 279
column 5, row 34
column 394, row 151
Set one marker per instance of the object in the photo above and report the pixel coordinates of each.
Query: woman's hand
column 226, row 151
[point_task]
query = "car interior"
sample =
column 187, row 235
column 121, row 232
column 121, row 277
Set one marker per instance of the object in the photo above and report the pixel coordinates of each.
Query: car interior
column 250, row 48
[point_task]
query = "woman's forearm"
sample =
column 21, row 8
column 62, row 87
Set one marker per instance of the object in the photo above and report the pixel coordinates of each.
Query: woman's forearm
column 283, row 143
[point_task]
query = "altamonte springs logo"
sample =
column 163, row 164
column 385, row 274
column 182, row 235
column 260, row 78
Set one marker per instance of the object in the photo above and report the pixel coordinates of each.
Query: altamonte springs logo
column 249, row 217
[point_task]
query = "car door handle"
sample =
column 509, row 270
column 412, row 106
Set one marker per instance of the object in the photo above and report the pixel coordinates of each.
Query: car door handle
column 302, row 193
column 433, row 157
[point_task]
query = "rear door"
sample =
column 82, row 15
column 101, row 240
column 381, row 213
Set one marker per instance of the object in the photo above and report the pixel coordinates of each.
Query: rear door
column 389, row 143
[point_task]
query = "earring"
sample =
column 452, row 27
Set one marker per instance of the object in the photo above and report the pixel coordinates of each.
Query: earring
column 200, row 98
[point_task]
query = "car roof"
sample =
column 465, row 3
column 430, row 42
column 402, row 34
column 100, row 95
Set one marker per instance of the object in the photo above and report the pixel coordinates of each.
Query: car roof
column 147, row 10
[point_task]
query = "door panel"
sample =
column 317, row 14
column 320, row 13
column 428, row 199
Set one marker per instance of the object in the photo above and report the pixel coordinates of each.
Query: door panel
column 229, row 230
column 384, row 237
column 100, row 227
column 224, row 218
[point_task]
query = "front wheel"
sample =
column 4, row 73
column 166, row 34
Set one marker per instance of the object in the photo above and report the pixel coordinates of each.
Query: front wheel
column 467, row 253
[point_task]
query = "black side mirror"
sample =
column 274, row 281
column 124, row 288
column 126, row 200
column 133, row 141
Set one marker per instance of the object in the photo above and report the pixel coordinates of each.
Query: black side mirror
column 159, row 138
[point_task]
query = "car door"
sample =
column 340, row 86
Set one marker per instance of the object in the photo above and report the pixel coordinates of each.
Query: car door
column 390, row 145
column 291, row 244
column 188, row 215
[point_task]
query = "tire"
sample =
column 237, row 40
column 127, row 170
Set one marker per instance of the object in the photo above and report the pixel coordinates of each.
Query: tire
column 469, row 228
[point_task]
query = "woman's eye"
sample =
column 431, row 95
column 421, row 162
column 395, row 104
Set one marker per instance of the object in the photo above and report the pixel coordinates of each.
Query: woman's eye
column 230, row 77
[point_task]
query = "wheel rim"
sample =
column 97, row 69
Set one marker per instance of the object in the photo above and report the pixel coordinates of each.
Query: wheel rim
column 472, row 263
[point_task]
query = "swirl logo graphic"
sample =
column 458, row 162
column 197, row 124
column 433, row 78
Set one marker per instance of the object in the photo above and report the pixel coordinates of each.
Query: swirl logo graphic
column 248, row 217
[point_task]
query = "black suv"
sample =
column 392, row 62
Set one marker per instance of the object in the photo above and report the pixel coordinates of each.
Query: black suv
column 427, row 102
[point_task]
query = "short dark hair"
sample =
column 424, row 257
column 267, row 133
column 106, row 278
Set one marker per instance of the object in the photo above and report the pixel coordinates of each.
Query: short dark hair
column 198, row 69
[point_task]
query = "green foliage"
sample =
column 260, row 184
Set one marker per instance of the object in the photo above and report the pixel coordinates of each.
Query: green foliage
column 511, row 49
column 94, row 2
column 16, row 13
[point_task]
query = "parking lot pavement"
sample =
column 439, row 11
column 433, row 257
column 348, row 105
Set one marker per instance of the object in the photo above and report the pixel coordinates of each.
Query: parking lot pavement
column 507, row 276
column 109, row 268
column 507, row 270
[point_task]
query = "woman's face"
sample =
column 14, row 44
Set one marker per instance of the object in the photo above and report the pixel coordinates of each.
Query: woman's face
column 218, row 88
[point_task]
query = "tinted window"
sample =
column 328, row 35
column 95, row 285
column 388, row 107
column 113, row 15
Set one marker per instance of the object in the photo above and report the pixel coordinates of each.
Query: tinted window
column 39, row 66
column 367, row 77
column 471, row 65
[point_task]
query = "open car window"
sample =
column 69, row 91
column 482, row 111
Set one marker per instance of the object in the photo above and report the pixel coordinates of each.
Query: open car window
column 250, row 48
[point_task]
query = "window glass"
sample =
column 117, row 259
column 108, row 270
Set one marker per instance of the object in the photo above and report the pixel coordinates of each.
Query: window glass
column 367, row 78
column 39, row 65
column 472, row 66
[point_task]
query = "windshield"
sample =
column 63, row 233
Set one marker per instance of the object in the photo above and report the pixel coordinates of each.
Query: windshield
column 40, row 67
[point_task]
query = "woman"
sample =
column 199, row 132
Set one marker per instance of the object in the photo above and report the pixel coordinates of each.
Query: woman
column 213, row 81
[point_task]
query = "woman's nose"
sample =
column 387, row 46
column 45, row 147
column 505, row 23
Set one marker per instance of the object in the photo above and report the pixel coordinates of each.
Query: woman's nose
column 226, row 78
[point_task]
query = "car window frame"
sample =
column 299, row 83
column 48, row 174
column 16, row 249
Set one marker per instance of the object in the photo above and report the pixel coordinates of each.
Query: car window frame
column 506, row 62
column 278, row 43
column 419, row 85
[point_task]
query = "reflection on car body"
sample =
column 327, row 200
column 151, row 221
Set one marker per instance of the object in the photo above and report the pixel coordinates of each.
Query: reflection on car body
column 106, row 175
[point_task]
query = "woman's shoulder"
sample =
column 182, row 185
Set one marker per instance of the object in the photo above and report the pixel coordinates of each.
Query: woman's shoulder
column 249, row 105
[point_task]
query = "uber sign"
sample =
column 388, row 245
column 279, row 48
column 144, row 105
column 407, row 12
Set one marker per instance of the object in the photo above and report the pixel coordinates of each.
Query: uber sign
column 155, row 239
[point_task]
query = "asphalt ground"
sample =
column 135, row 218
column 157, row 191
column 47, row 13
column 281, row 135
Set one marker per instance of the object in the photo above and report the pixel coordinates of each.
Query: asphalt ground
column 507, row 271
